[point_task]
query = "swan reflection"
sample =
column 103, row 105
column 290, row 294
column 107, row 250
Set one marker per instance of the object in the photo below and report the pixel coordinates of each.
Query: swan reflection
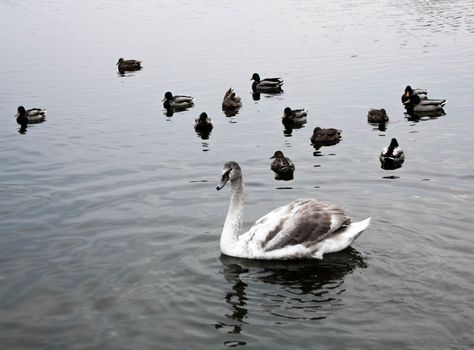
column 307, row 289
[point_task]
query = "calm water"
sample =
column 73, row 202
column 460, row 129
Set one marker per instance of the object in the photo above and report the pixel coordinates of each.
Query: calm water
column 110, row 220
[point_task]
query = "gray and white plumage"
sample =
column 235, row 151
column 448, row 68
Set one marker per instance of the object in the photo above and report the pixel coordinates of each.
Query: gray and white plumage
column 267, row 84
column 426, row 105
column 305, row 228
column 30, row 116
column 392, row 156
column 294, row 116
column 177, row 102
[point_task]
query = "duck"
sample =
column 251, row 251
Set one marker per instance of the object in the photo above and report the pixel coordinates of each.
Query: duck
column 325, row 137
column 177, row 102
column 267, row 84
column 409, row 91
column 128, row 65
column 231, row 100
column 377, row 116
column 203, row 123
column 302, row 229
column 282, row 166
column 30, row 116
column 294, row 116
column 392, row 157
column 424, row 105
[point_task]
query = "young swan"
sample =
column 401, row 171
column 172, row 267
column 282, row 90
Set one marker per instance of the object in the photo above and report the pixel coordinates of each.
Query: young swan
column 305, row 228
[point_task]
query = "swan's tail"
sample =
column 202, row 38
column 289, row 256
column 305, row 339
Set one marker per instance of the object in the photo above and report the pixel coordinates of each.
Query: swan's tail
column 341, row 240
column 357, row 228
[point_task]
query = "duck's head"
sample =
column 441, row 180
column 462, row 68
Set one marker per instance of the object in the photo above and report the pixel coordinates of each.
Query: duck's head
column 278, row 155
column 168, row 96
column 393, row 143
column 255, row 77
column 408, row 91
column 231, row 171
column 287, row 112
column 21, row 111
column 203, row 118
column 120, row 60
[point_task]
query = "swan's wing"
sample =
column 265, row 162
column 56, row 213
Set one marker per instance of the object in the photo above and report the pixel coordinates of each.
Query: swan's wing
column 304, row 221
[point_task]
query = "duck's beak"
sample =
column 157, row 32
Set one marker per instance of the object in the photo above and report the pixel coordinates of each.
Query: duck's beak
column 272, row 157
column 164, row 99
column 17, row 114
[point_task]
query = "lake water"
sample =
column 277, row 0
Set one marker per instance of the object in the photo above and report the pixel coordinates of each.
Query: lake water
column 109, row 217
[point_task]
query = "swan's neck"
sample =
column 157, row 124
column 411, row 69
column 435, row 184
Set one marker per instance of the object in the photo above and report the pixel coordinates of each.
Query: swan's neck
column 233, row 221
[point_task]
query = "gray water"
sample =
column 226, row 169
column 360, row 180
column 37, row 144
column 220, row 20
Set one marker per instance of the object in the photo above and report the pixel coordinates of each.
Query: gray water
column 110, row 220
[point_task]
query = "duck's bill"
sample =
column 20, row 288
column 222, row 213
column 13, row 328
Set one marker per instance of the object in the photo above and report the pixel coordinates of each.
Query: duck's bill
column 163, row 99
column 17, row 114
column 224, row 179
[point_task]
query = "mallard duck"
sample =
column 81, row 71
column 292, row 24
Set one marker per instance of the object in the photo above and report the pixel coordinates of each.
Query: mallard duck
column 325, row 137
column 203, row 123
column 30, row 116
column 305, row 228
column 267, row 84
column 177, row 102
column 128, row 65
column 282, row 166
column 377, row 116
column 294, row 116
column 392, row 156
column 422, row 93
column 231, row 100
column 424, row 105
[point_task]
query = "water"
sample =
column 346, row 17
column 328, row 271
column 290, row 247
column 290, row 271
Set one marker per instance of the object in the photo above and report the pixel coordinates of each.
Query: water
column 110, row 220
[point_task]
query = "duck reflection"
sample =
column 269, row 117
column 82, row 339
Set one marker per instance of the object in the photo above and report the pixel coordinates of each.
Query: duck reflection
column 256, row 96
column 307, row 289
column 424, row 116
column 230, row 112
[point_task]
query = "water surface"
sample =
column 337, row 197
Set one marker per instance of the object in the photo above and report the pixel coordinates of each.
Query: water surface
column 109, row 216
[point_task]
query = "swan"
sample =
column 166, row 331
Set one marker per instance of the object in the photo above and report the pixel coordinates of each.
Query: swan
column 377, row 116
column 128, row 65
column 30, row 116
column 231, row 100
column 305, row 228
column 294, row 116
column 267, row 84
column 282, row 166
column 392, row 157
column 177, row 102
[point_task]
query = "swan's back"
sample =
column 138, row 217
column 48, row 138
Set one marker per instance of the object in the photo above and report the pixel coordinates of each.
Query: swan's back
column 305, row 228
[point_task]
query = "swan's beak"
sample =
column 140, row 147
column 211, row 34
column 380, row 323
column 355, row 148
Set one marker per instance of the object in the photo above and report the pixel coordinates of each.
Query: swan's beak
column 224, row 179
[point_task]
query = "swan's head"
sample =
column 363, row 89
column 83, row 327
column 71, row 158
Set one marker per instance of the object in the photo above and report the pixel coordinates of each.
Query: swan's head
column 168, row 96
column 231, row 171
column 255, row 77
